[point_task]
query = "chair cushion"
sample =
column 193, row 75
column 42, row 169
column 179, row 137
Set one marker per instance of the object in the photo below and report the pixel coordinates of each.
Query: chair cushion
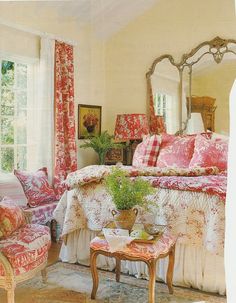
column 36, row 186
column 26, row 245
column 26, row 268
column 11, row 217
column 41, row 214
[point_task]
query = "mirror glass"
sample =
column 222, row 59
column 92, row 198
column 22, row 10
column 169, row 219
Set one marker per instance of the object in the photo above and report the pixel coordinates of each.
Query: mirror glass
column 165, row 84
column 197, row 88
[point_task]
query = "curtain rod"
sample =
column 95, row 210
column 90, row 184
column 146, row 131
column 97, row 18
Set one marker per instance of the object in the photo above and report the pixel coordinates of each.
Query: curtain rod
column 35, row 32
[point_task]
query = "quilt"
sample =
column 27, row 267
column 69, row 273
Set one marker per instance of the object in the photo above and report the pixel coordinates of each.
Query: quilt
column 189, row 201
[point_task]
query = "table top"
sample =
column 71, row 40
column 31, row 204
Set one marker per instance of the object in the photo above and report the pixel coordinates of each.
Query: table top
column 141, row 250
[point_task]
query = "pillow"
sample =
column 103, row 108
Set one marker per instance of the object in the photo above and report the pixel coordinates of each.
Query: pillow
column 11, row 187
column 11, row 217
column 146, row 152
column 210, row 153
column 175, row 151
column 220, row 136
column 36, row 186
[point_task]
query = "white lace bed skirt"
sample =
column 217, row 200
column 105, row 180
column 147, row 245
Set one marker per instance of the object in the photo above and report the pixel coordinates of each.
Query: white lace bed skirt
column 194, row 266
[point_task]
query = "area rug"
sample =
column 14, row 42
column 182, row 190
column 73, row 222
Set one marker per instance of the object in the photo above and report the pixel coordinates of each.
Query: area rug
column 73, row 283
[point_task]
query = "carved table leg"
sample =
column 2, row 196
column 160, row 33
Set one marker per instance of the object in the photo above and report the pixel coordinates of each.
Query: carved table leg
column 152, row 280
column 44, row 275
column 170, row 270
column 118, row 269
column 93, row 257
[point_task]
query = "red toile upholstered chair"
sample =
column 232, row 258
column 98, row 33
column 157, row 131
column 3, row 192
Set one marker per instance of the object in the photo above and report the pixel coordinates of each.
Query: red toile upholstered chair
column 23, row 247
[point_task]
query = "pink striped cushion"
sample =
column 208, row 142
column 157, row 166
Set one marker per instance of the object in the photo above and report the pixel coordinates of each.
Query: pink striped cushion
column 146, row 152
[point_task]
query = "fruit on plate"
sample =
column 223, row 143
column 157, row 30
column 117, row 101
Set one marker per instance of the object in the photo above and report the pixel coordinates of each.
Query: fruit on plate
column 140, row 234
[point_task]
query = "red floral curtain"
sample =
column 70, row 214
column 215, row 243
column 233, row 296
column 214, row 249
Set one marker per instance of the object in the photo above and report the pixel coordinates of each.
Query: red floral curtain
column 156, row 123
column 65, row 145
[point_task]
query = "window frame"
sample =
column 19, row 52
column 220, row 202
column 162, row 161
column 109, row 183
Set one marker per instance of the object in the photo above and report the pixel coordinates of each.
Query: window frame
column 31, row 91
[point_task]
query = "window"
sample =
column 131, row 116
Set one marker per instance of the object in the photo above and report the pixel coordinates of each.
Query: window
column 14, row 114
column 164, row 106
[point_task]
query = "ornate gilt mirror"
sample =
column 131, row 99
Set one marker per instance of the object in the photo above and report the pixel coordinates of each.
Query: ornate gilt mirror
column 199, row 83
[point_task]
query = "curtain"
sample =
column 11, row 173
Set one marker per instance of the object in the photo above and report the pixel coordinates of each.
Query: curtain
column 156, row 123
column 45, row 107
column 65, row 154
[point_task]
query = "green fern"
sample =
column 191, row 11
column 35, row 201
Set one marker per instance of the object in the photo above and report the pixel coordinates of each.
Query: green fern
column 101, row 144
column 127, row 192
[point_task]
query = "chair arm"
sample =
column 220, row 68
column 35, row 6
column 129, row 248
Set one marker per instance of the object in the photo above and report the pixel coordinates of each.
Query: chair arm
column 6, row 266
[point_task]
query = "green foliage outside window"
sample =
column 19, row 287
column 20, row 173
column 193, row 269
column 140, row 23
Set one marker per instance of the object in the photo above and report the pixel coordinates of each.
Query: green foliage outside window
column 13, row 115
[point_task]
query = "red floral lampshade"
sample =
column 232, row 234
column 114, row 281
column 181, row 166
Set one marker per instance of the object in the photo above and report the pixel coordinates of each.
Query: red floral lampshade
column 131, row 127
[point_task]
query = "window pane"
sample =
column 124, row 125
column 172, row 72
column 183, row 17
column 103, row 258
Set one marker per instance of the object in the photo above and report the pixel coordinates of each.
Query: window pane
column 7, row 102
column 7, row 73
column 21, row 157
column 21, row 137
column 21, row 81
column 21, row 101
column 7, row 159
column 7, row 131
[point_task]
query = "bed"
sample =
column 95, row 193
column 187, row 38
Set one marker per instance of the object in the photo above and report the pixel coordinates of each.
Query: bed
column 191, row 201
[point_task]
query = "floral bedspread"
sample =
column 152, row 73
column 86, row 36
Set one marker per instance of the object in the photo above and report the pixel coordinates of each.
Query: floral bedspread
column 190, row 202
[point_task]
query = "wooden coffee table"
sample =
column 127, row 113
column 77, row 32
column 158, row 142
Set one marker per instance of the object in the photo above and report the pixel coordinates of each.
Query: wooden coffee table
column 148, row 252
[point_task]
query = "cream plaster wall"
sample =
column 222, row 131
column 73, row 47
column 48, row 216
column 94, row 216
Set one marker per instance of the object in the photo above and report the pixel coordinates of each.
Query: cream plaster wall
column 173, row 27
column 216, row 82
column 89, row 58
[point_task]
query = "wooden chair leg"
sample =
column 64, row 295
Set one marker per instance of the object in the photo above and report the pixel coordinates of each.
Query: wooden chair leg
column 152, row 280
column 93, row 266
column 44, row 275
column 11, row 295
column 118, row 262
column 170, row 270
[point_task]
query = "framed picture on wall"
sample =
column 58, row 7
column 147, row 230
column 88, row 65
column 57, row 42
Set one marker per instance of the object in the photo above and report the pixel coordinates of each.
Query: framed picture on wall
column 89, row 120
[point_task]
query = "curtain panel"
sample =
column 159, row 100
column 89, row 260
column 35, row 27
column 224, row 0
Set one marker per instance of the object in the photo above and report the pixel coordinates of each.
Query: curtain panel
column 65, row 153
column 44, row 118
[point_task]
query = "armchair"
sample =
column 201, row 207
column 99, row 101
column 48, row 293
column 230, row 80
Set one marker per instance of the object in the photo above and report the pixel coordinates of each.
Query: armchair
column 23, row 248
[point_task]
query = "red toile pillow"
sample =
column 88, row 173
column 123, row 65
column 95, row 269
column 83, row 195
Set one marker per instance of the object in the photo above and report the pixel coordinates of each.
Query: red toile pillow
column 36, row 186
column 11, row 217
column 146, row 152
column 175, row 151
column 210, row 153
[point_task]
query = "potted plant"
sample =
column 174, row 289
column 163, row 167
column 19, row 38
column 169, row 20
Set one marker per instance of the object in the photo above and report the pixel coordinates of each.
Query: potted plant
column 127, row 193
column 101, row 144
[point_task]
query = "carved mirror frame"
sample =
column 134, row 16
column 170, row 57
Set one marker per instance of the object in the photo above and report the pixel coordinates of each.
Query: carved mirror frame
column 216, row 47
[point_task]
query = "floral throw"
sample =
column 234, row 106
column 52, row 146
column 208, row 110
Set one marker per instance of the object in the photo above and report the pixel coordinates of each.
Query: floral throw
column 65, row 145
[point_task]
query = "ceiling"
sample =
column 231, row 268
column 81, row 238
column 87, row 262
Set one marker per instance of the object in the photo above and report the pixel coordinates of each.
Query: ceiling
column 106, row 16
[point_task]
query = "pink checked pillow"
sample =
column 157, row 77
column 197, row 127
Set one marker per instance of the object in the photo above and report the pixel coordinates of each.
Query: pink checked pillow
column 146, row 152
column 36, row 186
column 210, row 153
column 175, row 151
column 11, row 217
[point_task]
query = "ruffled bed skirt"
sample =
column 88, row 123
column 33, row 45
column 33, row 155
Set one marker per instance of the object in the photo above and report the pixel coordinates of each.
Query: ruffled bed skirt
column 194, row 266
